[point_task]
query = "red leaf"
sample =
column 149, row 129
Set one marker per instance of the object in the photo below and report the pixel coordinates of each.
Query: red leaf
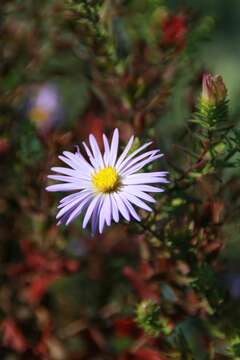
column 144, row 289
column 4, row 146
column 16, row 269
column 13, row 337
column 97, row 337
column 42, row 346
column 39, row 286
column 148, row 354
column 71, row 265
column 124, row 327
column 174, row 31
column 93, row 124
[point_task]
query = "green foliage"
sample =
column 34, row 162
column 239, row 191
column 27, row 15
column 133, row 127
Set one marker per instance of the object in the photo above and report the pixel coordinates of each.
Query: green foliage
column 234, row 348
column 191, row 336
column 211, row 117
column 149, row 318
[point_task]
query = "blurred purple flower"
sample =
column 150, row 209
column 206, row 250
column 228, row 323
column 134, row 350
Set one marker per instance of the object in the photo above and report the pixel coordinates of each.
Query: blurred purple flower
column 107, row 186
column 45, row 108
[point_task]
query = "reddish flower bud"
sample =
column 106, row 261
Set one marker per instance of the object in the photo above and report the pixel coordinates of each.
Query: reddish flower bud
column 213, row 89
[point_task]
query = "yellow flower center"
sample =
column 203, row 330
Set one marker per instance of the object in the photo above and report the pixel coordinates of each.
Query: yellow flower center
column 106, row 180
column 38, row 115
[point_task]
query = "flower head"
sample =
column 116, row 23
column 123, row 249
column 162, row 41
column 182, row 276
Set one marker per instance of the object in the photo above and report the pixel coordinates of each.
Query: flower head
column 213, row 89
column 107, row 186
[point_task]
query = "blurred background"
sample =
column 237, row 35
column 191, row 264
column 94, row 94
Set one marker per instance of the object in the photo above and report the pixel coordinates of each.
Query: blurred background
column 221, row 53
column 70, row 68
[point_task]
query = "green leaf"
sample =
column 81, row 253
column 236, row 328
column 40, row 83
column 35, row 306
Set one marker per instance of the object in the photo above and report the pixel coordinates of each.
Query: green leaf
column 191, row 334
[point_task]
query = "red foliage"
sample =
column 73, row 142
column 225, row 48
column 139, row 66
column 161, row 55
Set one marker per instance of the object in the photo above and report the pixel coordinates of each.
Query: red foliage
column 174, row 29
column 93, row 124
column 125, row 327
column 143, row 354
column 41, row 270
column 139, row 280
column 12, row 336
column 39, row 286
column 42, row 346
column 4, row 146
column 148, row 354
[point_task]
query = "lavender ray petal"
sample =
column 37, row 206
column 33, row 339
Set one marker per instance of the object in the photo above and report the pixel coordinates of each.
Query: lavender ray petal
column 144, row 178
column 115, row 213
column 140, row 194
column 69, row 179
column 95, row 216
column 64, row 218
column 125, row 152
column 70, row 172
column 149, row 188
column 72, row 196
column 114, row 147
column 78, row 161
column 137, row 159
column 142, row 181
column 78, row 209
column 136, row 201
column 132, row 155
column 84, row 161
column 121, row 206
column 102, row 216
column 130, row 207
column 90, row 209
column 106, row 155
column 67, row 161
column 96, row 151
column 72, row 204
column 154, row 173
column 141, row 164
column 90, row 156
column 65, row 187
column 108, row 210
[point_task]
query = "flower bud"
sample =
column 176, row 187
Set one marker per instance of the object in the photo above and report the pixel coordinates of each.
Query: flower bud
column 213, row 89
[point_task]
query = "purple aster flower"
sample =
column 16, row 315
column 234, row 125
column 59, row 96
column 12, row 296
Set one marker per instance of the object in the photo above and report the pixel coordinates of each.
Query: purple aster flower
column 107, row 186
column 45, row 107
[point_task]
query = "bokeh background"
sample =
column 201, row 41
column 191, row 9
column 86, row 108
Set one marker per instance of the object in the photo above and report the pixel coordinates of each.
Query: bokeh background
column 70, row 68
column 220, row 54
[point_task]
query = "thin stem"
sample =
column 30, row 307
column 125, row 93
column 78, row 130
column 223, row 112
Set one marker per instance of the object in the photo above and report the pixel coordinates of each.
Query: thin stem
column 146, row 228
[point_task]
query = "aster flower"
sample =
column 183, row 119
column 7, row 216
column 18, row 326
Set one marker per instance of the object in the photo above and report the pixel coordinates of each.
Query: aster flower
column 45, row 107
column 107, row 186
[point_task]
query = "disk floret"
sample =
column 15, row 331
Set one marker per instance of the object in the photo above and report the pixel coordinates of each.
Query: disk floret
column 106, row 180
